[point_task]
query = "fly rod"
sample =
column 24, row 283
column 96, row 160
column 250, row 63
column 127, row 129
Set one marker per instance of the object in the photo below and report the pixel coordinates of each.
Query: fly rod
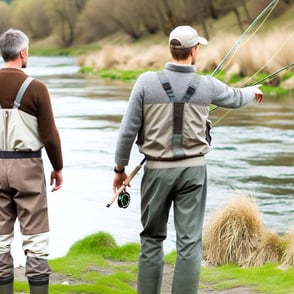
column 274, row 73
column 124, row 197
column 238, row 42
column 263, row 79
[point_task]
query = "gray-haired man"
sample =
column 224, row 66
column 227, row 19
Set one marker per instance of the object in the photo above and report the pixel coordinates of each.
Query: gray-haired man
column 26, row 126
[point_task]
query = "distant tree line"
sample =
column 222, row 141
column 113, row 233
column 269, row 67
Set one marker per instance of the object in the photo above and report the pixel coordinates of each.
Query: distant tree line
column 74, row 22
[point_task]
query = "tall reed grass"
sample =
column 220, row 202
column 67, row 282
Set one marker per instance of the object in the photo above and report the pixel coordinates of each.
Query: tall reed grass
column 235, row 234
column 265, row 53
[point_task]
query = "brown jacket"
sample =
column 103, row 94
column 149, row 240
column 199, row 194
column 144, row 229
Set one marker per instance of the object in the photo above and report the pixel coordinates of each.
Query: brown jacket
column 36, row 102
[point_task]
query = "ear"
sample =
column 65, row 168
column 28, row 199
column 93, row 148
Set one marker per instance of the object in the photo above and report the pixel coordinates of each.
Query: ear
column 22, row 53
column 193, row 51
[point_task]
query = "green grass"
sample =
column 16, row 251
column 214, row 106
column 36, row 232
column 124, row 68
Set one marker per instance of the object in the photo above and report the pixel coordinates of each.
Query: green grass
column 113, row 74
column 40, row 51
column 99, row 265
column 267, row 279
column 234, row 79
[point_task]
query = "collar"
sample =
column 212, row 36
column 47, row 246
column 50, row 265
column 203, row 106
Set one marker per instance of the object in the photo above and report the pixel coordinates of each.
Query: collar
column 180, row 67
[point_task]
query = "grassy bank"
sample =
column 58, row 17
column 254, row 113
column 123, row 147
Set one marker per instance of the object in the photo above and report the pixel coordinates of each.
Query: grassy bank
column 278, row 85
column 97, row 265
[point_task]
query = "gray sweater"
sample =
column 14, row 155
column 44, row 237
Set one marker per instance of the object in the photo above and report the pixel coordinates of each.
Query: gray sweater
column 148, row 93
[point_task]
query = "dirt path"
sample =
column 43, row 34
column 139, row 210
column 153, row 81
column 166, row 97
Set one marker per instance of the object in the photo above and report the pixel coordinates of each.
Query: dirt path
column 57, row 278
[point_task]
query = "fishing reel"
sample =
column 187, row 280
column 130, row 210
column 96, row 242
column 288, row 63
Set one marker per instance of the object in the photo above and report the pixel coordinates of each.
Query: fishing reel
column 123, row 199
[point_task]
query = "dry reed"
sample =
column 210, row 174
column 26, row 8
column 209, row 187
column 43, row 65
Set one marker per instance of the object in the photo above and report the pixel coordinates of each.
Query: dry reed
column 233, row 232
column 269, row 250
column 264, row 53
column 288, row 256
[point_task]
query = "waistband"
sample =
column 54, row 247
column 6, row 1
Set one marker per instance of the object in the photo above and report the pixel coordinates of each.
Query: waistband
column 186, row 162
column 20, row 154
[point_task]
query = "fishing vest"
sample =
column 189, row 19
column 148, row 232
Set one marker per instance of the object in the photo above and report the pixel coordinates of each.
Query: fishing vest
column 174, row 130
column 18, row 129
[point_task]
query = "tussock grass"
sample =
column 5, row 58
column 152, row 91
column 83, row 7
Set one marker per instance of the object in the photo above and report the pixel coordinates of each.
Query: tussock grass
column 269, row 250
column 236, row 235
column 288, row 256
column 233, row 232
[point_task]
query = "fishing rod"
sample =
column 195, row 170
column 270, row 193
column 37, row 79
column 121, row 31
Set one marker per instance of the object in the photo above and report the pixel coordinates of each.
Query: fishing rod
column 274, row 73
column 238, row 42
column 123, row 197
column 264, row 79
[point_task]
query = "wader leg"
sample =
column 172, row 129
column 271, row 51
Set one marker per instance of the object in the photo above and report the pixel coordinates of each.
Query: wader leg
column 39, row 284
column 189, row 207
column 150, row 266
column 6, row 285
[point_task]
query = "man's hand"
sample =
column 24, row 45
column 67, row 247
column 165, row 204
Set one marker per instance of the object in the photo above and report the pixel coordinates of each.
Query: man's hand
column 118, row 181
column 56, row 179
column 258, row 93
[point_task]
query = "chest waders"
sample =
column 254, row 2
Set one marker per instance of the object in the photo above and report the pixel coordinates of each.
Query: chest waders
column 39, row 284
column 6, row 283
column 19, row 131
column 178, row 110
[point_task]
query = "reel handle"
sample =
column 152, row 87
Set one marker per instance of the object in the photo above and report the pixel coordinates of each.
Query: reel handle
column 112, row 199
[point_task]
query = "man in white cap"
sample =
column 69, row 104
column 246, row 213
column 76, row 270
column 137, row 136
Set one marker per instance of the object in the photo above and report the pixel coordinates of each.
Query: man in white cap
column 168, row 112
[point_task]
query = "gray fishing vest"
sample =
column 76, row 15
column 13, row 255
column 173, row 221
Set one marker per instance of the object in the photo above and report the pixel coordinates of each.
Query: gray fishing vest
column 174, row 130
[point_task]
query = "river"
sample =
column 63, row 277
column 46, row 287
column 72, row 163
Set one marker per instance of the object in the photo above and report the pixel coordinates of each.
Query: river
column 252, row 152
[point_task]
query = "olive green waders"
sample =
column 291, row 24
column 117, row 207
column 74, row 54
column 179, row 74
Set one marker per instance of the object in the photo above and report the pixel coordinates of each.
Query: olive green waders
column 6, row 285
column 186, row 189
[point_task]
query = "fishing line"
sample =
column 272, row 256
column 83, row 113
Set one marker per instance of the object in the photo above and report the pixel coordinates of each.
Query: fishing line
column 270, row 6
column 270, row 76
column 252, row 35
column 274, row 73
column 269, row 61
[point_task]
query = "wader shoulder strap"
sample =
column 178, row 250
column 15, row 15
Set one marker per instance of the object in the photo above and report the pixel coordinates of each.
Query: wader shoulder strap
column 21, row 91
column 178, row 109
column 193, row 85
column 166, row 85
column 168, row 89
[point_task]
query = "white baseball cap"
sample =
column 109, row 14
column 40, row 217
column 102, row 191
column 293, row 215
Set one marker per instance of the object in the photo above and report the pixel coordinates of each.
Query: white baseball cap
column 187, row 36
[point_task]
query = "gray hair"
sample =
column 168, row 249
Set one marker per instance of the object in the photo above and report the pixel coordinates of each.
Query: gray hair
column 11, row 43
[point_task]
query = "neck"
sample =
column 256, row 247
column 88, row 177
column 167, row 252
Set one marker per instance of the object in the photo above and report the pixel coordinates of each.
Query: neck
column 13, row 64
column 184, row 61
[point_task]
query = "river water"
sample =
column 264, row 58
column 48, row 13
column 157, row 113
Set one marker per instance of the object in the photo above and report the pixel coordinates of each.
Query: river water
column 252, row 152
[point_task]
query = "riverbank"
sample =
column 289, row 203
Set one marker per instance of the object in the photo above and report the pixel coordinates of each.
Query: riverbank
column 262, row 53
column 97, row 265
column 57, row 278
column 250, row 62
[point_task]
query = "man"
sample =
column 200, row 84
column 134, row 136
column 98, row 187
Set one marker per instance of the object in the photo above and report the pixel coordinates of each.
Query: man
column 26, row 125
column 168, row 111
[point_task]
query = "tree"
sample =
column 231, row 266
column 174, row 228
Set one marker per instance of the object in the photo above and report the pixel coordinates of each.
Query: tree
column 63, row 15
column 95, row 22
column 31, row 17
column 5, row 17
